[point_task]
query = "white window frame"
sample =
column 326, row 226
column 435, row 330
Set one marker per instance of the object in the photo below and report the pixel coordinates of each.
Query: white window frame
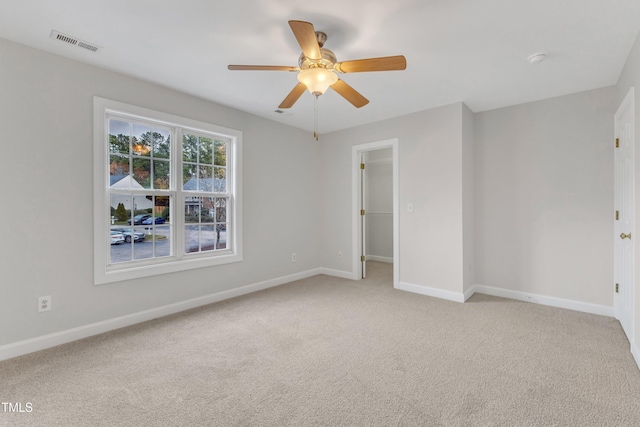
column 179, row 261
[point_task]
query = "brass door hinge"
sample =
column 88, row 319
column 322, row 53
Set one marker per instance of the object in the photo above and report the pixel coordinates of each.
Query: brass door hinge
column 362, row 258
column 361, row 211
column 617, row 215
column 361, row 165
column 617, row 142
column 617, row 288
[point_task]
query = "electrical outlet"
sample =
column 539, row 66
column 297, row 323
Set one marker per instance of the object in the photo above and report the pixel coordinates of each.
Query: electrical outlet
column 294, row 257
column 44, row 304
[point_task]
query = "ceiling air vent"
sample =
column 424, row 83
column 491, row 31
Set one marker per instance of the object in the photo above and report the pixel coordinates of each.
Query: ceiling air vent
column 74, row 41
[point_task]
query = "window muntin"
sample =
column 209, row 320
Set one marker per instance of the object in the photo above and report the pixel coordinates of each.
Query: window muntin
column 147, row 173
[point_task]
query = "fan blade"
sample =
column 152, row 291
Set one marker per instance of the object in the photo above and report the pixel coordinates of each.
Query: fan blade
column 293, row 96
column 386, row 63
column 263, row 67
column 349, row 93
column 306, row 36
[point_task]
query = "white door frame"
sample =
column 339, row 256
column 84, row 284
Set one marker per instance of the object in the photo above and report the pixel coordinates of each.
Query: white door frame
column 363, row 218
column 356, row 236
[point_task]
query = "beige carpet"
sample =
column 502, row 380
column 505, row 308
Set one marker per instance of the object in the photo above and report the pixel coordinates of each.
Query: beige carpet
column 327, row 351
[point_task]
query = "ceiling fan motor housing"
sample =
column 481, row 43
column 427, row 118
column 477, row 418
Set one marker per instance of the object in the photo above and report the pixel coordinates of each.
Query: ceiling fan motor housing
column 327, row 61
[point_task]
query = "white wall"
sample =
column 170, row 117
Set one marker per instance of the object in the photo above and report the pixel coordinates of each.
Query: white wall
column 630, row 77
column 46, row 174
column 544, row 197
column 379, row 204
column 430, row 177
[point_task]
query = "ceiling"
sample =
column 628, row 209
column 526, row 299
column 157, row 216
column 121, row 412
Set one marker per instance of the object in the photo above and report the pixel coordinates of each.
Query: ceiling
column 457, row 50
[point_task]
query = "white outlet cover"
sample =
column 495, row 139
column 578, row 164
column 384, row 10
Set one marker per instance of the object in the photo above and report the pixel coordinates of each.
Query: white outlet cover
column 44, row 304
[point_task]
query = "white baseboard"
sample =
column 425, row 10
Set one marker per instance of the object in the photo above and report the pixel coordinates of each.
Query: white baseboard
column 469, row 293
column 20, row 348
column 388, row 260
column 336, row 273
column 636, row 353
column 585, row 307
column 432, row 292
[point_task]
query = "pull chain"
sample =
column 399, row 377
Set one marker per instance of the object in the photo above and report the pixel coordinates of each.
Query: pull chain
column 315, row 117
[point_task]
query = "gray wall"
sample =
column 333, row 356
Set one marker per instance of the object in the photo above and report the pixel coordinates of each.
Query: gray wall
column 430, row 177
column 46, row 173
column 630, row 77
column 544, row 197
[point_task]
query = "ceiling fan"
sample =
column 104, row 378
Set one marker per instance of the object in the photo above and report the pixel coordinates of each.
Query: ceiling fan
column 318, row 67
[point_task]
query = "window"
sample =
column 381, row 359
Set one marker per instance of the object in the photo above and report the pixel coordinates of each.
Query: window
column 167, row 193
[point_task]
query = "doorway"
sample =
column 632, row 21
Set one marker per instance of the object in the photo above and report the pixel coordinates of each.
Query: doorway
column 371, row 229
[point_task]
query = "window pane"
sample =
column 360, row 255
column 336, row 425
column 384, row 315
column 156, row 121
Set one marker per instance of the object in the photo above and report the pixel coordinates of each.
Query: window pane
column 161, row 235
column 207, row 213
column 205, row 178
column 207, row 238
column 162, row 204
column 221, row 224
column 189, row 173
column 120, row 250
column 190, row 148
column 118, row 136
column 205, row 151
column 142, row 140
column 221, row 236
column 142, row 249
column 220, row 180
column 192, row 210
column 161, row 144
column 220, row 153
column 221, row 210
column 141, row 173
column 118, row 171
column 161, row 175
column 142, row 208
column 120, row 208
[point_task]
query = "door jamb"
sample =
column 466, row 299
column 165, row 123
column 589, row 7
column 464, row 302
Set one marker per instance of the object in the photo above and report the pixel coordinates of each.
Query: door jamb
column 356, row 151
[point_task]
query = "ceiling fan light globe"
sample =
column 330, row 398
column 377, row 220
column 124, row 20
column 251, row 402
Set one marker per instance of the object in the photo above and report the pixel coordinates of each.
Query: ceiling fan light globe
column 317, row 80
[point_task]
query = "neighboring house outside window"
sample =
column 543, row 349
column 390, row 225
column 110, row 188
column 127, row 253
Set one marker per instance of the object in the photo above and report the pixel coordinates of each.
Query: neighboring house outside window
column 169, row 186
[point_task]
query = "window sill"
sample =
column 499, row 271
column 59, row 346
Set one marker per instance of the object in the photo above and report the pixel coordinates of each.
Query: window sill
column 111, row 275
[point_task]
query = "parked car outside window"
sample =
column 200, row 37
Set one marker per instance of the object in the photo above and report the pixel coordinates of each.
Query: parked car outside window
column 158, row 220
column 137, row 220
column 138, row 236
column 116, row 238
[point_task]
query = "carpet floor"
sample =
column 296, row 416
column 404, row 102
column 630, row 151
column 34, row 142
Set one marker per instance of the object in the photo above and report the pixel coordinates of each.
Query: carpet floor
column 333, row 352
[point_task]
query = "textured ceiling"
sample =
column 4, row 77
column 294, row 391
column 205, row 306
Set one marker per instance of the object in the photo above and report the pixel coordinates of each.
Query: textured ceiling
column 474, row 51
